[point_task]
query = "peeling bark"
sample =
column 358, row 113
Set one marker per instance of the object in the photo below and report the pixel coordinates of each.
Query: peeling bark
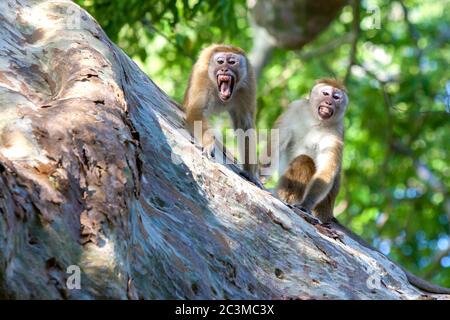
column 96, row 172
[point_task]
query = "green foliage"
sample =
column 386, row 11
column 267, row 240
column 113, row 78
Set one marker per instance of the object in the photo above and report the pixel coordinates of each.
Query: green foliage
column 397, row 123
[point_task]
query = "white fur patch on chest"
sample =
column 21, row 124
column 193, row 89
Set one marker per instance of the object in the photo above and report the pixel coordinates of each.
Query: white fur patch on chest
column 307, row 143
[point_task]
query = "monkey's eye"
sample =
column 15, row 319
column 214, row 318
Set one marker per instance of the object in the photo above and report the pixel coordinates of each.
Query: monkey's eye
column 220, row 61
column 232, row 61
column 336, row 96
column 325, row 93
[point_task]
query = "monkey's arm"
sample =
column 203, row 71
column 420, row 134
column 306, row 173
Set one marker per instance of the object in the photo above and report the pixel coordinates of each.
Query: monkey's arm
column 196, row 122
column 246, row 143
column 328, row 165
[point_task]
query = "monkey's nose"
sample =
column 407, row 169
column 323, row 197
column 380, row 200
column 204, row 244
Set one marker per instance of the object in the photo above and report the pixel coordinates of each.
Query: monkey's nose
column 224, row 70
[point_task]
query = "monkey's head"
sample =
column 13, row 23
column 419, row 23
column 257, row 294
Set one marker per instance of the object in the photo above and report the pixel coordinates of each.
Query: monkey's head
column 328, row 100
column 227, row 69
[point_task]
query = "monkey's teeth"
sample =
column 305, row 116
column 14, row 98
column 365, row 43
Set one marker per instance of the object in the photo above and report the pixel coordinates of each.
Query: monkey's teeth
column 224, row 78
column 225, row 84
column 325, row 111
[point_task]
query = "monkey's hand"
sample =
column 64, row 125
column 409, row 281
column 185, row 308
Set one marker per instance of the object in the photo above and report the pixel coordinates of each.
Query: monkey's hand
column 208, row 145
column 208, row 150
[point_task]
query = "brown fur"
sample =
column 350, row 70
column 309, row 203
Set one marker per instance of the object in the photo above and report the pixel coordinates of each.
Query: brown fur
column 292, row 186
column 333, row 82
column 293, row 183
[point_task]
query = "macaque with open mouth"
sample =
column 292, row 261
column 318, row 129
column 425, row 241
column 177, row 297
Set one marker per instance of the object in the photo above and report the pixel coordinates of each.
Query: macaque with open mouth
column 222, row 80
column 311, row 133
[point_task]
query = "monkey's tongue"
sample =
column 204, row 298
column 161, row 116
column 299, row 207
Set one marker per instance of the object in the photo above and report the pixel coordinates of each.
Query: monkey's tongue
column 225, row 89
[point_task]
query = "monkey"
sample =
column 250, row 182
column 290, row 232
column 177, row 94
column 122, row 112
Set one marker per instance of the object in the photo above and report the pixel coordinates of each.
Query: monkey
column 311, row 133
column 223, row 80
column 311, row 141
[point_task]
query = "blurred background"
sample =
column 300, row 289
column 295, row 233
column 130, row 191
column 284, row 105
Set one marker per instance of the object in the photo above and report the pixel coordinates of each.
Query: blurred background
column 392, row 55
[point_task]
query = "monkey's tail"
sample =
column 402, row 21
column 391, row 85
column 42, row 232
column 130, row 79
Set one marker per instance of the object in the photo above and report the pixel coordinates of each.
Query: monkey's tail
column 425, row 285
column 412, row 279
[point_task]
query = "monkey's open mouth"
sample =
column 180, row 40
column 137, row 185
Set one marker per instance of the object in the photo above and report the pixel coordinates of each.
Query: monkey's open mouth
column 225, row 84
column 325, row 112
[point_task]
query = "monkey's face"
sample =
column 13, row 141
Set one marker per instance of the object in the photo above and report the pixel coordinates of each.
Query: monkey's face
column 328, row 102
column 226, row 69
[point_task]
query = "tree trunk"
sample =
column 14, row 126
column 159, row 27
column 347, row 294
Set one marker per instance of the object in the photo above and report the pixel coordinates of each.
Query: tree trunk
column 96, row 173
column 288, row 24
column 294, row 23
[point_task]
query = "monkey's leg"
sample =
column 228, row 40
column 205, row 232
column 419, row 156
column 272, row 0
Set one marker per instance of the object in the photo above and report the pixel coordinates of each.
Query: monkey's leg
column 244, row 127
column 198, row 126
column 327, row 163
column 293, row 183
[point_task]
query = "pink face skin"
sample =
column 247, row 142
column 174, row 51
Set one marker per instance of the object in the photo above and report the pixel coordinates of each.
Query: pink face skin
column 226, row 69
column 328, row 102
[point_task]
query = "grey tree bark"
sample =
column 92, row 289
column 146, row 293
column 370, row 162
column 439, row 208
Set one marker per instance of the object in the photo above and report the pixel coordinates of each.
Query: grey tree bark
column 96, row 173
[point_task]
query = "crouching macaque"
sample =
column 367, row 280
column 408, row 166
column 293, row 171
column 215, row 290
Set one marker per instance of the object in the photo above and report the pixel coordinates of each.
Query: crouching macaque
column 222, row 80
column 310, row 140
column 310, row 149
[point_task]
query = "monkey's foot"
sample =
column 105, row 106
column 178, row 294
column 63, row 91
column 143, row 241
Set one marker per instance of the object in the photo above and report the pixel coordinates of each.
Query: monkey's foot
column 250, row 177
column 305, row 214
column 303, row 209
